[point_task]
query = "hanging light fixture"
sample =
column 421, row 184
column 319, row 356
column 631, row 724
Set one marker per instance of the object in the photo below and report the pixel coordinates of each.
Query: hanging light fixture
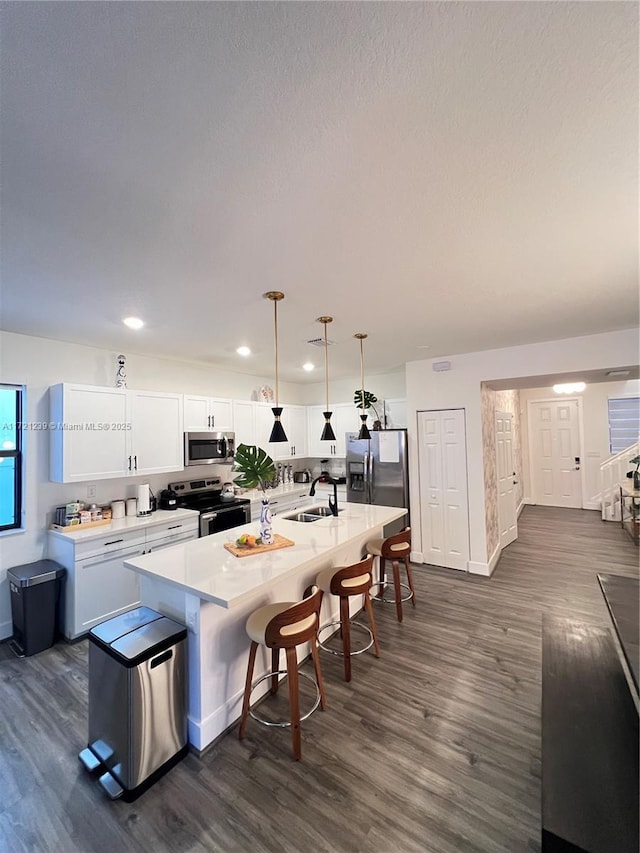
column 277, row 433
column 327, row 431
column 364, row 431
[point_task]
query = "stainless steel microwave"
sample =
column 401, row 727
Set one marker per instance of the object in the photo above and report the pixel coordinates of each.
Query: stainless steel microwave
column 207, row 448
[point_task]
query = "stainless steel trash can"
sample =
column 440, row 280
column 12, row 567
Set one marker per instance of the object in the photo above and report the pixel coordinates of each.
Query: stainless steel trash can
column 137, row 701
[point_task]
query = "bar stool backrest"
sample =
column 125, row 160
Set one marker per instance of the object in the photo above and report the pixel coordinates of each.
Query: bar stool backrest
column 353, row 580
column 398, row 545
column 297, row 624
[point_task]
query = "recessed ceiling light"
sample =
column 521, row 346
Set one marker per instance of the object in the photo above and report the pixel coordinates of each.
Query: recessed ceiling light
column 133, row 322
column 424, row 346
column 308, row 366
column 243, row 351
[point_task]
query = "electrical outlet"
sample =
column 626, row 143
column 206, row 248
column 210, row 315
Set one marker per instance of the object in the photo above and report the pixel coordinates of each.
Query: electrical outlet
column 91, row 491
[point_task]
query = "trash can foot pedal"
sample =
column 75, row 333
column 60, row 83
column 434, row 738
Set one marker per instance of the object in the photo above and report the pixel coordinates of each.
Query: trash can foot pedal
column 89, row 760
column 16, row 648
column 112, row 788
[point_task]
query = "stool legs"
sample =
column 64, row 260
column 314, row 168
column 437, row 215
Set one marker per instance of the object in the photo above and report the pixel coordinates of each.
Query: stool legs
column 247, row 690
column 346, row 636
column 395, row 565
column 275, row 666
column 374, row 631
column 318, row 671
column 294, row 701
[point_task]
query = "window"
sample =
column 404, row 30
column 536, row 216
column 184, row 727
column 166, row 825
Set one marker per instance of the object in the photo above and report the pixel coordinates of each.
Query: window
column 10, row 456
column 624, row 422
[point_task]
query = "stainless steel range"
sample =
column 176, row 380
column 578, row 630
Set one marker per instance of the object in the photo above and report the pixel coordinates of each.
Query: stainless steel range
column 216, row 513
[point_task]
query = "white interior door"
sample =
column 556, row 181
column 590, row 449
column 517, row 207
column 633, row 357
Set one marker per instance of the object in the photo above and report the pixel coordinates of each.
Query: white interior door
column 554, row 442
column 506, row 478
column 443, row 488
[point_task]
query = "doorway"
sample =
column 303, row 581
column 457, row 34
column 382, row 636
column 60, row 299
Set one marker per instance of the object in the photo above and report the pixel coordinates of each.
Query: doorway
column 554, row 452
column 505, row 470
column 444, row 507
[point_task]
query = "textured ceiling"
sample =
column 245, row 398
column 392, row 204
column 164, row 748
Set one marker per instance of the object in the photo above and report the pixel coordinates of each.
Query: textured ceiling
column 460, row 176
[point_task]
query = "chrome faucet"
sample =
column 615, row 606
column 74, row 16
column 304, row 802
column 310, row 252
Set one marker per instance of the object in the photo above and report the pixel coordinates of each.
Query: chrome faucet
column 333, row 501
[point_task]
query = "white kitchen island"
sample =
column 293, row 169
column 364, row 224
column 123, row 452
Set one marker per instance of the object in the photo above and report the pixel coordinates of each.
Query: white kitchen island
column 213, row 592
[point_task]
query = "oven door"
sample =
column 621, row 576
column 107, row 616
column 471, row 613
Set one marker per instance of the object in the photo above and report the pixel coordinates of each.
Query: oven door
column 223, row 519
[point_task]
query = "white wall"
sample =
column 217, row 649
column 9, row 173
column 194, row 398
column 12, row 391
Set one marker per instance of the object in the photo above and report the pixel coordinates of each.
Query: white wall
column 460, row 388
column 595, row 435
column 390, row 385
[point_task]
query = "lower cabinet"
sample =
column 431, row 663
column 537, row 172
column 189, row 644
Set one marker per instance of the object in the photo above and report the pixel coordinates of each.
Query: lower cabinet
column 281, row 505
column 97, row 585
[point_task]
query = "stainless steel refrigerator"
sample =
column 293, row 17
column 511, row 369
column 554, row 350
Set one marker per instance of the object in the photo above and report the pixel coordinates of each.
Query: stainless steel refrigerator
column 377, row 469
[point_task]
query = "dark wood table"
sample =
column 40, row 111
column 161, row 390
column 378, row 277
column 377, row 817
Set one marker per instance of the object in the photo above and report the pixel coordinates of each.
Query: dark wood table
column 622, row 596
column 590, row 770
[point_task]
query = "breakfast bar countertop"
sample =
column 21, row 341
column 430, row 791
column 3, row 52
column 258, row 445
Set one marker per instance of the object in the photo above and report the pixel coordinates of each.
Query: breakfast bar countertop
column 204, row 568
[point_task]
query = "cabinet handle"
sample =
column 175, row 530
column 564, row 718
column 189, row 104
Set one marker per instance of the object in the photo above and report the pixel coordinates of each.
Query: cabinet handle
column 129, row 463
column 114, row 542
column 174, row 526
column 213, row 420
column 135, row 462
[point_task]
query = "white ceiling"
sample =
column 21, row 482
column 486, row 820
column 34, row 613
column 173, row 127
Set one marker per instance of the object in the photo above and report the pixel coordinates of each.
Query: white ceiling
column 461, row 176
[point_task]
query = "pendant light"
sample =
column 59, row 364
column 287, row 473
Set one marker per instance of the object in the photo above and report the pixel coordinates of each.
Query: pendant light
column 364, row 431
column 277, row 433
column 327, row 431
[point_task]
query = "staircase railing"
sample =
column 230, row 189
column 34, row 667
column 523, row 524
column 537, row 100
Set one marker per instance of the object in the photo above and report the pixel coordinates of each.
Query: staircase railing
column 612, row 472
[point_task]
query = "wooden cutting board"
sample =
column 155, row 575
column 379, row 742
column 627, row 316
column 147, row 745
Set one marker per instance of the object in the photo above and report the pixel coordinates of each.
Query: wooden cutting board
column 240, row 551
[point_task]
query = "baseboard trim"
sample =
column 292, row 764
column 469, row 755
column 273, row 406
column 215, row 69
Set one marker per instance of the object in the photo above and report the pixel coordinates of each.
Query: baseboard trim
column 6, row 630
column 416, row 557
column 521, row 506
column 486, row 569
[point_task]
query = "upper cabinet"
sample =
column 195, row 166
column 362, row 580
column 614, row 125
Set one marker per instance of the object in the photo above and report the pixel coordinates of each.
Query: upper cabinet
column 294, row 421
column 202, row 414
column 103, row 433
column 395, row 414
column 244, row 422
column 344, row 419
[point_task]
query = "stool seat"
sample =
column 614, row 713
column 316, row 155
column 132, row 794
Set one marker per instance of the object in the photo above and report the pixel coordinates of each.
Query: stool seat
column 395, row 548
column 326, row 576
column 258, row 621
column 284, row 625
column 346, row 582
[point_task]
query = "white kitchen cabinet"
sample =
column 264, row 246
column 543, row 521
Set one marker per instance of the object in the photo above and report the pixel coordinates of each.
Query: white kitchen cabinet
column 102, row 433
column 97, row 586
column 157, row 435
column 344, row 419
column 202, row 414
column 395, row 413
column 244, row 423
column 281, row 504
column 88, row 433
column 294, row 421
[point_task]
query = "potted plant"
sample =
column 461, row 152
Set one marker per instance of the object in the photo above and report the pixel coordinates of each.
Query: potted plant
column 636, row 474
column 256, row 471
column 369, row 400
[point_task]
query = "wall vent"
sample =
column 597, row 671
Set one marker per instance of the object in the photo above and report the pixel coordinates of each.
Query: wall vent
column 319, row 342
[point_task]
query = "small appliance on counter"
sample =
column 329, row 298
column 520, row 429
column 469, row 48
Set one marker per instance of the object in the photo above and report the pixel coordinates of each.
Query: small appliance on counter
column 168, row 499
column 227, row 493
column 302, row 476
column 144, row 500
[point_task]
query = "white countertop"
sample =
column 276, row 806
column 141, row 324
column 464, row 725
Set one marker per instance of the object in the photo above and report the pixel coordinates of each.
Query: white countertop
column 203, row 567
column 128, row 524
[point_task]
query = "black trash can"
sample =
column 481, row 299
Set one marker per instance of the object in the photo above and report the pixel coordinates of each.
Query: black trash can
column 35, row 604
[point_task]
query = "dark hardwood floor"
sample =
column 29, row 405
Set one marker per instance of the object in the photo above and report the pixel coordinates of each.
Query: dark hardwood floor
column 434, row 747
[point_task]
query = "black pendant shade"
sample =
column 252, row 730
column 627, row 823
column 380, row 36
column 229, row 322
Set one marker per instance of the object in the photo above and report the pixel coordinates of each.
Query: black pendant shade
column 364, row 430
column 327, row 431
column 277, row 433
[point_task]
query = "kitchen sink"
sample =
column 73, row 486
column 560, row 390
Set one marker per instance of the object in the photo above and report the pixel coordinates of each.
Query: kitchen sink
column 302, row 516
column 314, row 513
column 320, row 510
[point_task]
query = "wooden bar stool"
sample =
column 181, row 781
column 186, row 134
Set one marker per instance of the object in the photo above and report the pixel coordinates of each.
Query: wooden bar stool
column 285, row 625
column 346, row 582
column 394, row 548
